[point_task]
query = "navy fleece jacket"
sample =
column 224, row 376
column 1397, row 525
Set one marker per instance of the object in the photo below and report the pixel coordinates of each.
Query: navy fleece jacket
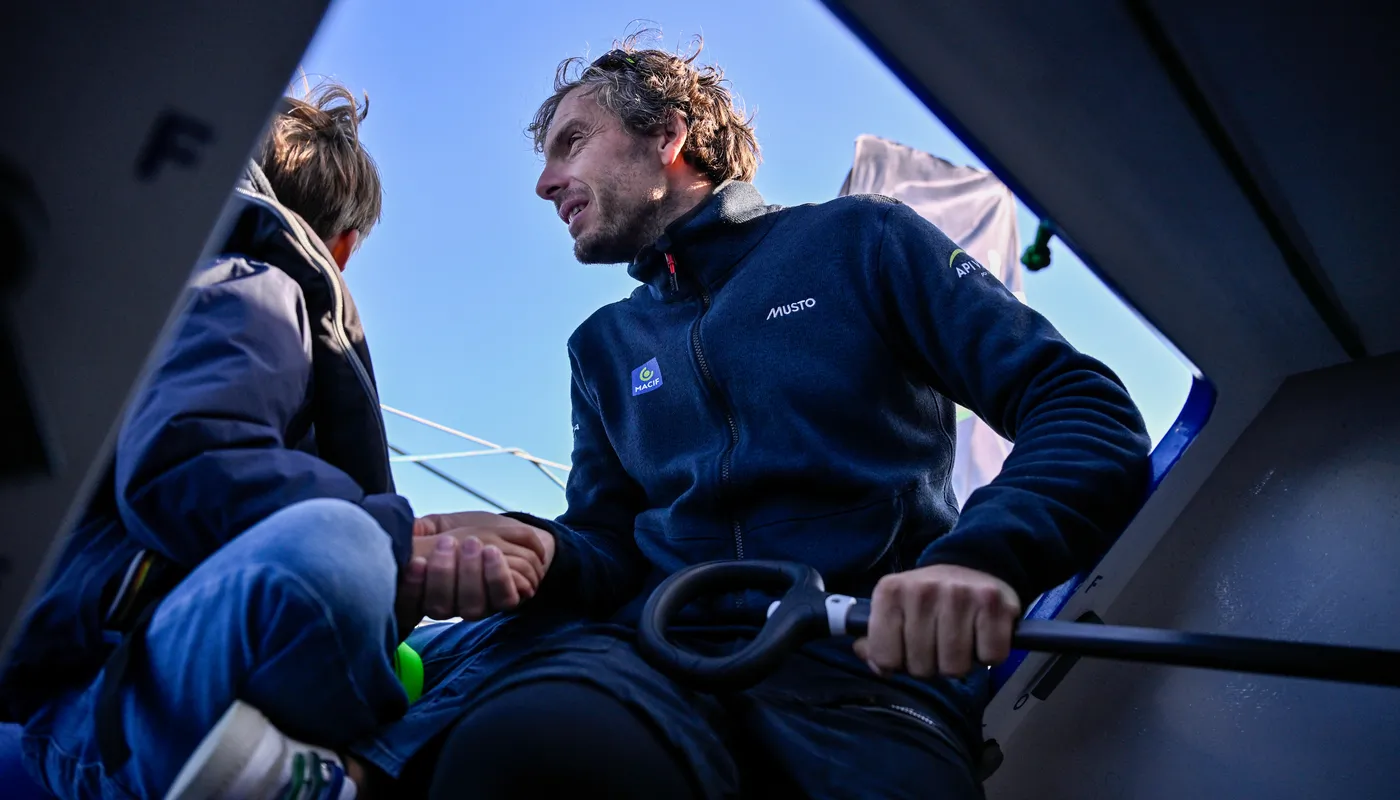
column 781, row 386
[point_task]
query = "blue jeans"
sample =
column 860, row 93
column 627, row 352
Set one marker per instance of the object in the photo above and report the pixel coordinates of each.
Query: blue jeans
column 295, row 617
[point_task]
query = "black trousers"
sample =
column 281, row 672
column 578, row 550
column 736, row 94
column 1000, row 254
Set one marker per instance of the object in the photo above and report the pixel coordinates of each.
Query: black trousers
column 596, row 720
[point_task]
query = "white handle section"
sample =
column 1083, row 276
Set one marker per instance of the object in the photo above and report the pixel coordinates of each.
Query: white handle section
column 838, row 607
column 773, row 607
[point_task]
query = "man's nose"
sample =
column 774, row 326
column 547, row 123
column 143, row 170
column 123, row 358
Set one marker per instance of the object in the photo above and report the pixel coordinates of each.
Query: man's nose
column 549, row 184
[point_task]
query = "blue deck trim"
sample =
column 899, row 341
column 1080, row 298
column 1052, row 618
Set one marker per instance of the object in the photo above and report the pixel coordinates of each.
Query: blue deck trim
column 1194, row 414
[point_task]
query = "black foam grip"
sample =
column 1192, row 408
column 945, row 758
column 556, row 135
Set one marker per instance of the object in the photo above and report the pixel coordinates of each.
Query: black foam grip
column 858, row 617
column 800, row 617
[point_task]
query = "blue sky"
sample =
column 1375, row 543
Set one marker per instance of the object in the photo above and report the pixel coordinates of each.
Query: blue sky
column 468, row 288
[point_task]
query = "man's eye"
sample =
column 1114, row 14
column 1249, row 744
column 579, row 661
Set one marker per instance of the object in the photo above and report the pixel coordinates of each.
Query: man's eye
column 574, row 139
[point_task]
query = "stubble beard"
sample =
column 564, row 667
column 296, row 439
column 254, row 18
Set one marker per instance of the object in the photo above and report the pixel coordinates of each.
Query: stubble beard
column 626, row 228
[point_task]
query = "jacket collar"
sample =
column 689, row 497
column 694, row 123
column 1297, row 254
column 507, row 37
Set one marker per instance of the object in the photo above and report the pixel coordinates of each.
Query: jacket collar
column 254, row 180
column 267, row 225
column 706, row 243
column 347, row 422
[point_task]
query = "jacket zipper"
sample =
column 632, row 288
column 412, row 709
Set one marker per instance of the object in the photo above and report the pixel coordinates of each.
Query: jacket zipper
column 927, row 722
column 338, row 306
column 737, row 529
column 910, row 712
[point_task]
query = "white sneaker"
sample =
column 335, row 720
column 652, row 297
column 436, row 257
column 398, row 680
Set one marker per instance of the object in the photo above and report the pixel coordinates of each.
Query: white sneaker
column 246, row 758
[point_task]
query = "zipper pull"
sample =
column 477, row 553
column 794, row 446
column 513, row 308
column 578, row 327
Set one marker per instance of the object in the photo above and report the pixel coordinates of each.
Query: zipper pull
column 671, row 265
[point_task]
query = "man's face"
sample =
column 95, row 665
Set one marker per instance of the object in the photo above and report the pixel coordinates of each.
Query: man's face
column 606, row 184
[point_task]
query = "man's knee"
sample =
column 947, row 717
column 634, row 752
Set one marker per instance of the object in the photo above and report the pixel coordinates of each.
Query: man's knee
column 543, row 711
column 557, row 735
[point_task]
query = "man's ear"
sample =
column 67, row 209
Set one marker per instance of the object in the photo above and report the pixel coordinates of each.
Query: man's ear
column 342, row 246
column 674, row 132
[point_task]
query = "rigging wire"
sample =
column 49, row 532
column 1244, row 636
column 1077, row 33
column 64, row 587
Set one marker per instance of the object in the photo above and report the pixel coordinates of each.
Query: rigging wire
column 443, row 475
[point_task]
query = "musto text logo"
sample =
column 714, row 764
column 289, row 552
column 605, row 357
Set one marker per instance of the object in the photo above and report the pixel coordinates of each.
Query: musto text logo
column 791, row 308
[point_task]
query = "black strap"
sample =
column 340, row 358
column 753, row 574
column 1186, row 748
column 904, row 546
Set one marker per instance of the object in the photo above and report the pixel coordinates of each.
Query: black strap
column 112, row 746
column 107, row 715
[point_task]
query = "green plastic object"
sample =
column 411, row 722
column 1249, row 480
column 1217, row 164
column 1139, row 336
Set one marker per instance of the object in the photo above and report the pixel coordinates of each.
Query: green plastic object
column 1037, row 255
column 408, row 665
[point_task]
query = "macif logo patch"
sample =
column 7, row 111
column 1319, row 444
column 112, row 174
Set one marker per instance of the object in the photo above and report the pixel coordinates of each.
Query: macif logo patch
column 646, row 378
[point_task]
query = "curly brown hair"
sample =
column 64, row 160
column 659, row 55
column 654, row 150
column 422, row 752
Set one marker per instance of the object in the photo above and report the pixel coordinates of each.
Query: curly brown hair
column 644, row 86
column 317, row 166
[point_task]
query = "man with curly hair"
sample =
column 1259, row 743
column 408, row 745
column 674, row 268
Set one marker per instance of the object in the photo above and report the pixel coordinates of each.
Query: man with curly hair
column 780, row 385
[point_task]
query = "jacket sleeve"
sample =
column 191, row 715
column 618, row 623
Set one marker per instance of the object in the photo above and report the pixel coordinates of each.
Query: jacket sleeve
column 202, row 456
column 597, row 564
column 1078, row 471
